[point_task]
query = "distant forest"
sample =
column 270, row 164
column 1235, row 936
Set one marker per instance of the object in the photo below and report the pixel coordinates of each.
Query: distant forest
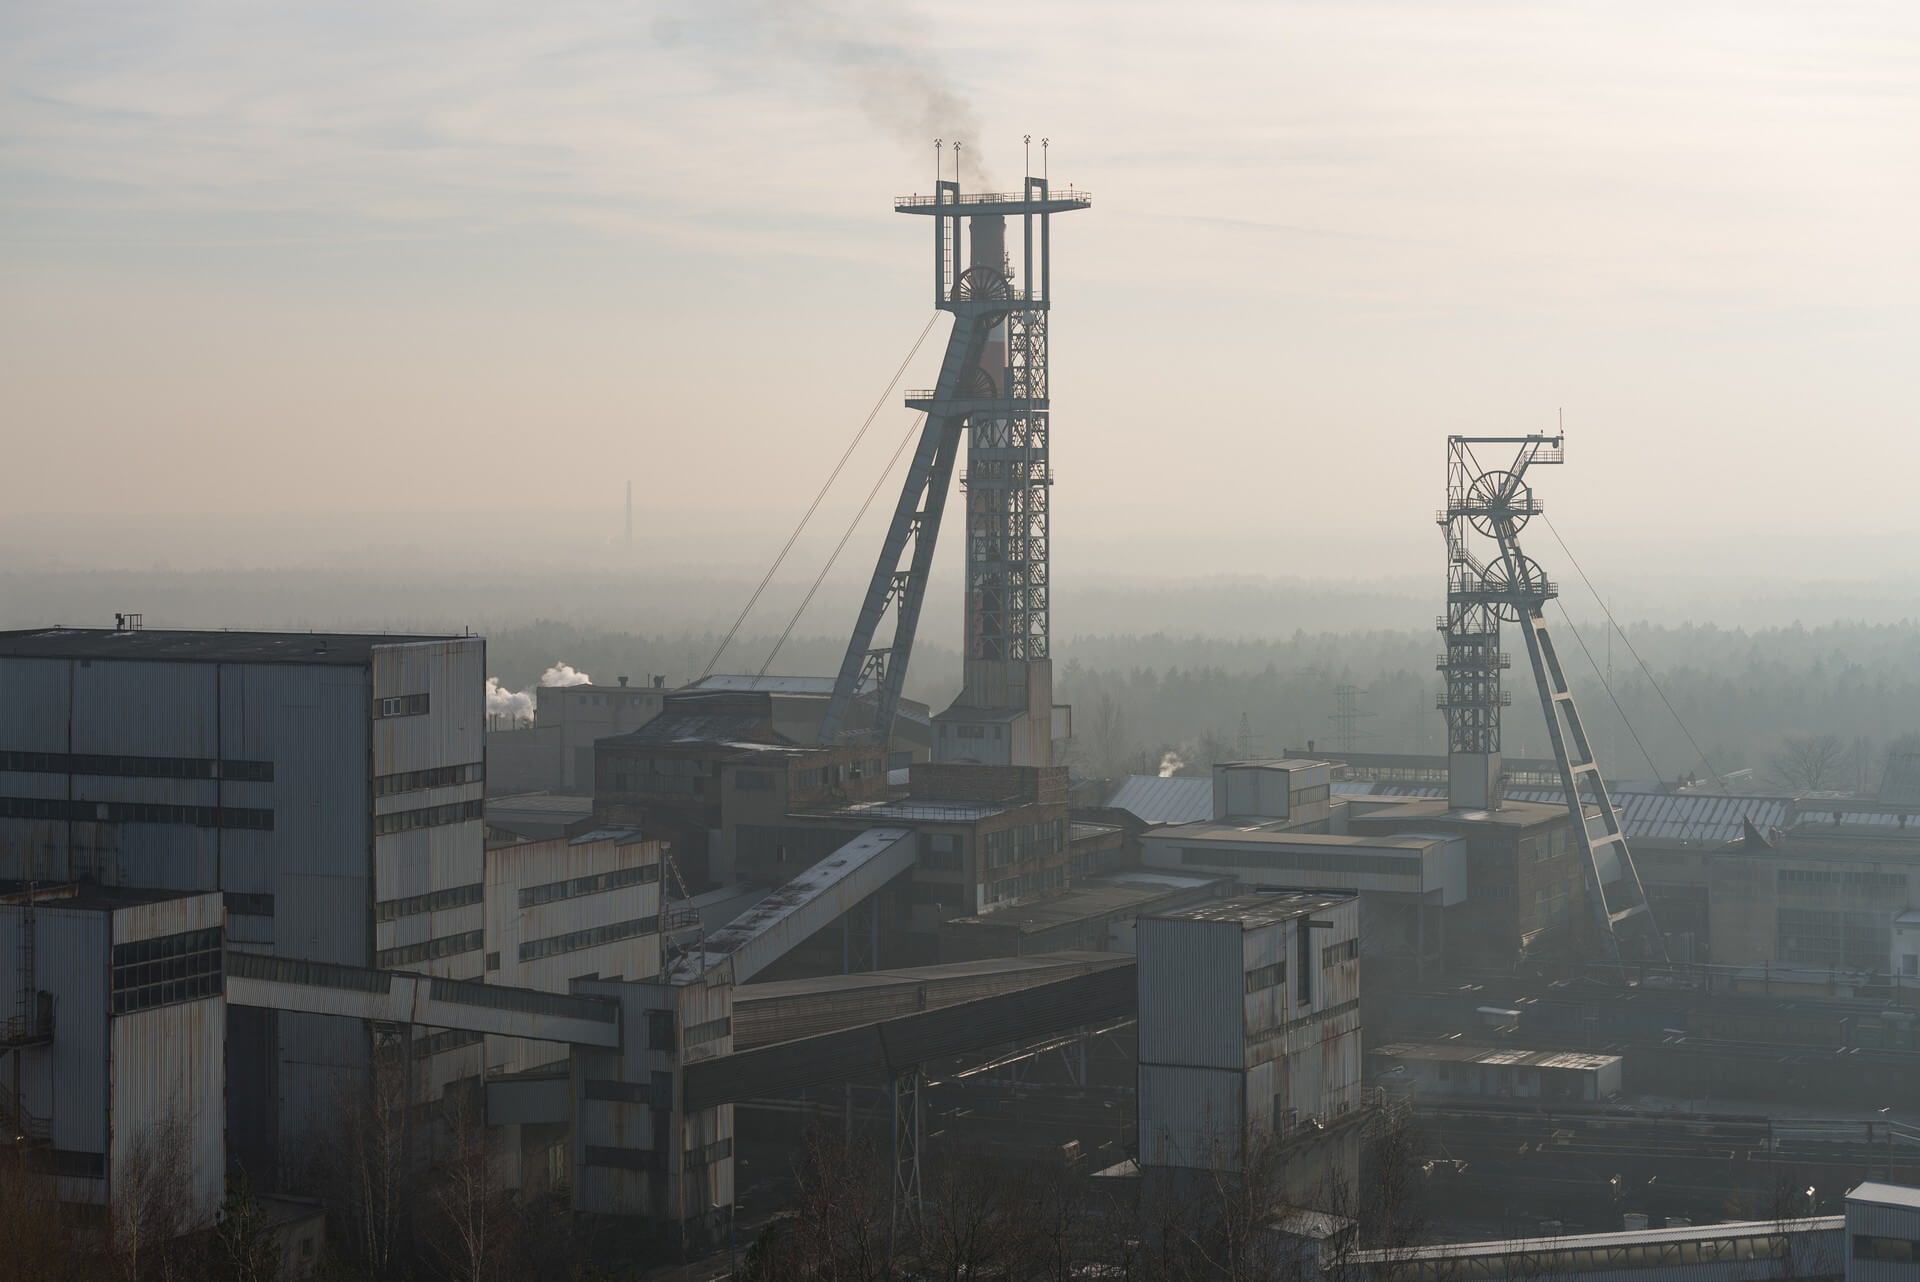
column 1747, row 697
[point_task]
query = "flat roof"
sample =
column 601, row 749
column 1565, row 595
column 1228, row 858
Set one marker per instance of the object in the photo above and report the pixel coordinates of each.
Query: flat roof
column 1455, row 1053
column 89, row 895
column 1079, row 904
column 1254, row 911
column 166, row 645
column 1886, row 1195
column 1267, row 834
column 1512, row 814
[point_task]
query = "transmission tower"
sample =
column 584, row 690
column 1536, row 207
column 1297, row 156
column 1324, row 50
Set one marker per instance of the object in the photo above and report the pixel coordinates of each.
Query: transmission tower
column 1346, row 718
column 1489, row 579
column 992, row 392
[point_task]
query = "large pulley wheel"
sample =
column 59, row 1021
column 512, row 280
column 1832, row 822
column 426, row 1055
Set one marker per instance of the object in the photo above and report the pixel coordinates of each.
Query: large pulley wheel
column 980, row 283
column 1499, row 500
column 1516, row 586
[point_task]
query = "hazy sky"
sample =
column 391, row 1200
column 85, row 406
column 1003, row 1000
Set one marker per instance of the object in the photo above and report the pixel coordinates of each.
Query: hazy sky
column 297, row 258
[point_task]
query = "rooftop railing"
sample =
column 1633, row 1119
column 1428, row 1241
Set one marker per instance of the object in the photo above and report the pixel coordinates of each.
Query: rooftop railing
column 1065, row 195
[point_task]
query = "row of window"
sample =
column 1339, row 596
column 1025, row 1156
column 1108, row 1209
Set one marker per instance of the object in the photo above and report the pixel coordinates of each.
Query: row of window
column 1028, row 841
column 447, row 1039
column 708, row 1154
column 405, row 705
column 1032, row 883
column 437, row 777
column 1345, row 951
column 432, row 902
column 1808, row 936
column 1816, row 879
column 135, row 812
column 1902, row 1250
column 1558, row 1262
column 468, row 941
column 1263, row 977
column 453, row 812
column 710, row 1031
column 827, row 776
column 753, row 780
column 643, row 782
column 173, row 968
column 93, row 763
column 590, row 885
column 249, row 905
column 574, row 941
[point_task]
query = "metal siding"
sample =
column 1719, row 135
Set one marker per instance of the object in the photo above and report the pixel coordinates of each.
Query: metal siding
column 1191, row 1116
column 1190, row 992
column 171, row 1062
column 67, row 1082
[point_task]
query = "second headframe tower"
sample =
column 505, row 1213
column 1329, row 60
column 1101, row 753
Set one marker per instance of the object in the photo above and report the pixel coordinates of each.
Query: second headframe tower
column 992, row 391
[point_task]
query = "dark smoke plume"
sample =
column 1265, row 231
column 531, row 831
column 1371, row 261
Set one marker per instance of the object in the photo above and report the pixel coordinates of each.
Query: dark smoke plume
column 901, row 88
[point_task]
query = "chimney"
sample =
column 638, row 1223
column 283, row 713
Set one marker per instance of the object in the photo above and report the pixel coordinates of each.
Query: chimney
column 623, row 683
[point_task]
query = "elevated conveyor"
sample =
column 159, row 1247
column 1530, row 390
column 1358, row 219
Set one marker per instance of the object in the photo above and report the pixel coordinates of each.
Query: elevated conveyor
column 804, row 906
column 352, row 992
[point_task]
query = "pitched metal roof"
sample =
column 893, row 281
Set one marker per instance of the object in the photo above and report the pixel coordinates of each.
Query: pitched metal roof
column 1173, row 800
column 1706, row 818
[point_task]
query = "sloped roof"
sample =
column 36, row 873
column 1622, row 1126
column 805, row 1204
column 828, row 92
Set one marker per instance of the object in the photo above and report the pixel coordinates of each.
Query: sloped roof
column 1655, row 816
column 1174, row 800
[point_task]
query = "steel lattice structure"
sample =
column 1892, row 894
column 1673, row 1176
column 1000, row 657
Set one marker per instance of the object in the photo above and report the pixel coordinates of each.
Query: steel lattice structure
column 992, row 392
column 1489, row 579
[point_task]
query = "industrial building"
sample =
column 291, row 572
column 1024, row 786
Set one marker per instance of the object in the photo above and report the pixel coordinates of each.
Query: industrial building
column 328, row 786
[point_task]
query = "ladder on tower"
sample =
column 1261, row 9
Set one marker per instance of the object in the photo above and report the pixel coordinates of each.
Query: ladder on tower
column 1619, row 899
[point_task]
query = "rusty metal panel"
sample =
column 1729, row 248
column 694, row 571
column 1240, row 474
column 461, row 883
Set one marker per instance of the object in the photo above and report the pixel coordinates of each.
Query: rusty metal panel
column 1192, row 1117
column 169, row 1065
column 1190, row 977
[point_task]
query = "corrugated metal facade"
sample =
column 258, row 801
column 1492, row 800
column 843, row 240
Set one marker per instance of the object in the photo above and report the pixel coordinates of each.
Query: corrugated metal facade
column 67, row 1082
column 511, row 869
column 1271, row 999
column 167, row 1065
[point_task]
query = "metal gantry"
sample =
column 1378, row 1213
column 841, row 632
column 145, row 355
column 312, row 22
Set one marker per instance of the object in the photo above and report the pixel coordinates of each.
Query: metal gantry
column 991, row 392
column 1489, row 579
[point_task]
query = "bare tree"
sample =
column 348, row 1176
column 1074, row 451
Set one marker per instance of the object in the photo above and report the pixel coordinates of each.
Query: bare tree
column 366, row 1162
column 244, row 1248
column 1809, row 762
column 37, row 1243
column 472, row 1221
column 964, row 1233
column 837, row 1231
column 152, row 1202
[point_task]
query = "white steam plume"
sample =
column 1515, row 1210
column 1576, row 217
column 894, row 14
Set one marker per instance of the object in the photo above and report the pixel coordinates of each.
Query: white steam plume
column 1171, row 762
column 564, row 674
column 515, row 706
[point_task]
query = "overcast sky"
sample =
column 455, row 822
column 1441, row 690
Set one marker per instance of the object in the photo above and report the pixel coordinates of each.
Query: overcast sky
column 296, row 258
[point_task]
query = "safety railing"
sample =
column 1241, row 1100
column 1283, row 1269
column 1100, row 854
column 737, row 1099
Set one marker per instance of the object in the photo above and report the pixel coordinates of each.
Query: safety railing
column 1064, row 195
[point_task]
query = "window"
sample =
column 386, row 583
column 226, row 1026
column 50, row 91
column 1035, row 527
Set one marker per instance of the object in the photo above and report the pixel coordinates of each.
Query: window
column 406, row 705
column 591, row 885
column 247, row 905
column 437, row 777
column 446, row 1040
column 1265, row 977
column 172, row 968
column 469, row 941
column 94, row 763
column 1334, row 954
column 753, row 780
column 971, row 732
column 1910, row 963
column 493, row 961
column 574, row 941
column 432, row 902
column 1900, row 1250
column 135, row 812
column 427, row 817
column 711, row 1031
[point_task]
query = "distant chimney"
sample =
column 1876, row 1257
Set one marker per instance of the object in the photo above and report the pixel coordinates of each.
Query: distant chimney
column 659, row 683
column 623, row 681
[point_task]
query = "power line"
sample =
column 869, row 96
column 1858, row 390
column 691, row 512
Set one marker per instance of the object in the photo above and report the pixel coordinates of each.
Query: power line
column 814, row 506
column 879, row 481
column 1609, row 689
column 1628, row 642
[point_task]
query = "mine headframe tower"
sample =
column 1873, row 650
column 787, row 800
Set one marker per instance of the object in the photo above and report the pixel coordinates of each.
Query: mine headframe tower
column 1490, row 580
column 992, row 391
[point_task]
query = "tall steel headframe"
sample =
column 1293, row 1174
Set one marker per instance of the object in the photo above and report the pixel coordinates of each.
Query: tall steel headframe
column 992, row 391
column 1490, row 580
